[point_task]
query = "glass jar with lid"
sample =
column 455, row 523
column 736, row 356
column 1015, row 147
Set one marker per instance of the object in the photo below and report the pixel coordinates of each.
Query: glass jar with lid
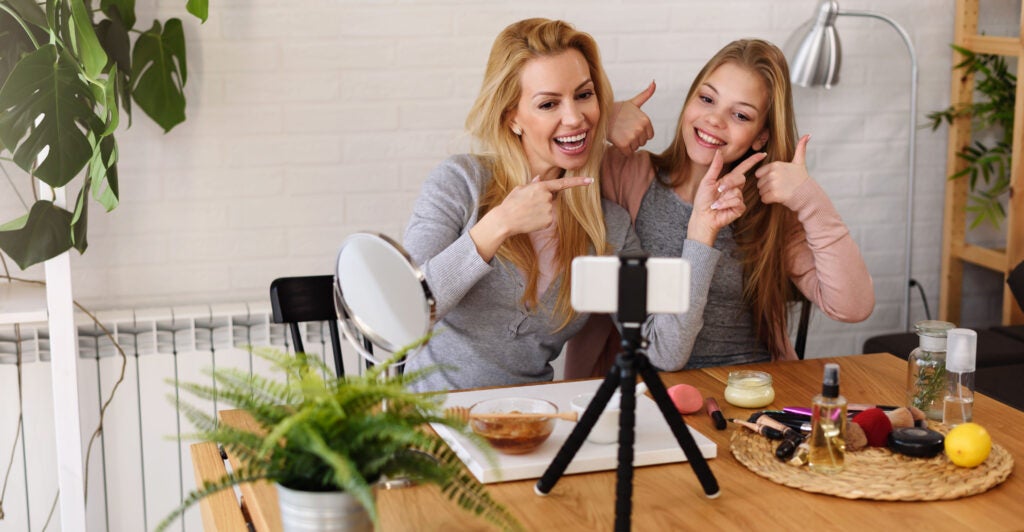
column 749, row 389
column 926, row 368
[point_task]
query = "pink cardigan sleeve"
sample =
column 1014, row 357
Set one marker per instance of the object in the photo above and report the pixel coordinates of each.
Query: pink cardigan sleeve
column 824, row 261
column 625, row 179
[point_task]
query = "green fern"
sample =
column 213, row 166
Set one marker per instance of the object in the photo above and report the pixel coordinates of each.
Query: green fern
column 323, row 433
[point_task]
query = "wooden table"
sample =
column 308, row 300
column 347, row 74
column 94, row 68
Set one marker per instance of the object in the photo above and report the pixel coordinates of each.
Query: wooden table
column 669, row 497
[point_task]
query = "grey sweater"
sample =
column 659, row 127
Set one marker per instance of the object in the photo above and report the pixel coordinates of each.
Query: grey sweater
column 485, row 335
column 719, row 328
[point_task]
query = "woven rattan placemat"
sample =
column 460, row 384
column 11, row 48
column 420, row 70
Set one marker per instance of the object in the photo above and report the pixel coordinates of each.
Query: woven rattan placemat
column 877, row 473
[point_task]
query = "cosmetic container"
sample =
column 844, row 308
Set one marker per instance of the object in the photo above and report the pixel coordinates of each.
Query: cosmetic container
column 749, row 389
column 828, row 425
column 958, row 405
column 926, row 368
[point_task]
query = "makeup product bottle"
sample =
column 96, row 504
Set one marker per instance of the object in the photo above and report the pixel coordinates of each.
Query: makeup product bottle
column 828, row 425
column 958, row 406
column 926, row 368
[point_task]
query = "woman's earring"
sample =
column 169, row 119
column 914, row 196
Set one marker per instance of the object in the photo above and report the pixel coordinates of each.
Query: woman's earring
column 517, row 130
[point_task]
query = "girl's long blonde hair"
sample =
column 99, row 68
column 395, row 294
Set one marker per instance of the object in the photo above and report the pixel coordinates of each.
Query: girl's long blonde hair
column 761, row 231
column 580, row 226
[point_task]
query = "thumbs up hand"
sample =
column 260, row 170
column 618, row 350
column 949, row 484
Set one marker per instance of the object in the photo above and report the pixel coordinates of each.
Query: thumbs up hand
column 777, row 181
column 629, row 127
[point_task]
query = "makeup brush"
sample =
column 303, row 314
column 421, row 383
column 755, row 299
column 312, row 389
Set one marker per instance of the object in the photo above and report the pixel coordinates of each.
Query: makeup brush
column 764, row 430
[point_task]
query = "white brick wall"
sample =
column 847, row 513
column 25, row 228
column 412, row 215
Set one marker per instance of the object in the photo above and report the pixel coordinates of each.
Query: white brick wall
column 311, row 119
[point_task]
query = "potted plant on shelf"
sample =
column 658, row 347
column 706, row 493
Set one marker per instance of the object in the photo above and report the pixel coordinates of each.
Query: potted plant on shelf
column 331, row 437
column 988, row 159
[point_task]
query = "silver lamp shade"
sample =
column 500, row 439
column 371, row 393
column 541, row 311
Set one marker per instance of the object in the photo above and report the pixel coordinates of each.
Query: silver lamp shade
column 814, row 51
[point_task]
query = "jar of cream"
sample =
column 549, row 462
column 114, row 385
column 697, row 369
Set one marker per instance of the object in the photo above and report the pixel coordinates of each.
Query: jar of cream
column 749, row 389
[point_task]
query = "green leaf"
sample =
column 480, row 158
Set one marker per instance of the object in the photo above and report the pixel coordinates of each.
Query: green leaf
column 89, row 52
column 199, row 8
column 29, row 10
column 15, row 43
column 16, row 223
column 103, row 171
column 122, row 10
column 159, row 73
column 44, row 235
column 46, row 83
column 79, row 220
column 114, row 38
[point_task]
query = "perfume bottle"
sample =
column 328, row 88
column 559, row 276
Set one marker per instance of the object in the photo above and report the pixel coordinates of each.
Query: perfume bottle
column 958, row 405
column 926, row 368
column 828, row 425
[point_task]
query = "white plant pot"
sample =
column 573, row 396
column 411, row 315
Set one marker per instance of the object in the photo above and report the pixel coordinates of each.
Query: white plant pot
column 315, row 511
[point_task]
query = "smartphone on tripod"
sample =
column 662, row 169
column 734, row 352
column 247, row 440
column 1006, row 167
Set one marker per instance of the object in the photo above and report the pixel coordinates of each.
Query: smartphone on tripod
column 595, row 285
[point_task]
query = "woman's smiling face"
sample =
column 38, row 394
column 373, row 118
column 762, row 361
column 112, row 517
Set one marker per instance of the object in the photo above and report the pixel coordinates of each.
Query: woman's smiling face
column 557, row 113
column 726, row 113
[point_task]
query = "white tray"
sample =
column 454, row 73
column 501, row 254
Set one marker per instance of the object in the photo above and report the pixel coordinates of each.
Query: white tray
column 655, row 443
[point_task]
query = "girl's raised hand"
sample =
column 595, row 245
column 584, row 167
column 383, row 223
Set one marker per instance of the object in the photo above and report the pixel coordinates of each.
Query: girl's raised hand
column 629, row 127
column 526, row 209
column 777, row 181
column 719, row 201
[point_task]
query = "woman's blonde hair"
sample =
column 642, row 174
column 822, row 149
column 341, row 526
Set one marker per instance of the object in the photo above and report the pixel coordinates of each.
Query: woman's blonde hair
column 761, row 231
column 580, row 226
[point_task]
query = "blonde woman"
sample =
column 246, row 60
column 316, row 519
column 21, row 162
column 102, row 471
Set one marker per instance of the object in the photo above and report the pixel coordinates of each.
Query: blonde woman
column 495, row 231
column 732, row 195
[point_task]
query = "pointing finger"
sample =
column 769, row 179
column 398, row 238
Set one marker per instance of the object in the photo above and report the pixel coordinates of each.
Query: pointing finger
column 715, row 169
column 749, row 162
column 557, row 185
column 801, row 150
column 643, row 96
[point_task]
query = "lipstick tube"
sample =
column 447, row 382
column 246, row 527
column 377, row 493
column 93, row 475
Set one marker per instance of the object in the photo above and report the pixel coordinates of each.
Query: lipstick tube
column 716, row 414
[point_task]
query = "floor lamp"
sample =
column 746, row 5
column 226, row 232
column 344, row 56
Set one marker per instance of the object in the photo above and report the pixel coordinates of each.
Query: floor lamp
column 814, row 56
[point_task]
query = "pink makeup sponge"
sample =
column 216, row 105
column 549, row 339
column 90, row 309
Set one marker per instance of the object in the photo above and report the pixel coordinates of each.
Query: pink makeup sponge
column 686, row 398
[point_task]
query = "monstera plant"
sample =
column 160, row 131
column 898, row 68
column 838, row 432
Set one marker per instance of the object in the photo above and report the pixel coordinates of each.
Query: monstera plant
column 69, row 70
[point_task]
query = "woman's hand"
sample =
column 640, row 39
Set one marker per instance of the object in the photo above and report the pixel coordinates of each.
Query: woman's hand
column 526, row 209
column 719, row 201
column 777, row 181
column 629, row 128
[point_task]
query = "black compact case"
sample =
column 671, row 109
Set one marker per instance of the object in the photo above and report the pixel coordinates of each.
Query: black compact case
column 916, row 441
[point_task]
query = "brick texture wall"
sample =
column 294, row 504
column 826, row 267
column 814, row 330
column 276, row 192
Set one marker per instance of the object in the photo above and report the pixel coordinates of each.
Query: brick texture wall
column 311, row 119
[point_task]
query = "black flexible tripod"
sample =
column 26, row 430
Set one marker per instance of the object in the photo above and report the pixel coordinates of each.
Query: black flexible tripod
column 632, row 313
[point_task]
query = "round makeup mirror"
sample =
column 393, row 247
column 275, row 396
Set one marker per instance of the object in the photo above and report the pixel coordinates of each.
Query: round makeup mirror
column 381, row 293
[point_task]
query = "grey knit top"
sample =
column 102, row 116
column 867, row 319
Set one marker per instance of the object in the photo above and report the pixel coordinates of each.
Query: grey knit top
column 719, row 328
column 485, row 335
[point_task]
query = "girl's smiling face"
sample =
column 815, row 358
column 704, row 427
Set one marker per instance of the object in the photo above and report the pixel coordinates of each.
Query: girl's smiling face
column 557, row 112
column 727, row 112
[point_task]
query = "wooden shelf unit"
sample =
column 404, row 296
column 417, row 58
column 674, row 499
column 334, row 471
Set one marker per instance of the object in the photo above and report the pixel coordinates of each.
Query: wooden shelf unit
column 955, row 250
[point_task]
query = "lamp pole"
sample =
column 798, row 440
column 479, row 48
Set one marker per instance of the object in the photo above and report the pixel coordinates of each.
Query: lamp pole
column 815, row 62
column 912, row 125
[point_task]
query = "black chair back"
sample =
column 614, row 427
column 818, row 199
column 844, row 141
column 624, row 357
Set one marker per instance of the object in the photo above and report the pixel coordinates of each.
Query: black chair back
column 296, row 300
column 801, row 330
column 1015, row 280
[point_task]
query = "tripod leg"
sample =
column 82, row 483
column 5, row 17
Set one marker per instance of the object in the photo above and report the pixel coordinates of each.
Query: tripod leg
column 578, row 435
column 678, row 426
column 626, row 366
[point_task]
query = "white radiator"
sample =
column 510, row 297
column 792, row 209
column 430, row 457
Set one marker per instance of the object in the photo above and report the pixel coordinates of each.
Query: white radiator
column 138, row 471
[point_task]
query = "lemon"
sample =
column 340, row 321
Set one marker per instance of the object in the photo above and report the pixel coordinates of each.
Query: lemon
column 968, row 445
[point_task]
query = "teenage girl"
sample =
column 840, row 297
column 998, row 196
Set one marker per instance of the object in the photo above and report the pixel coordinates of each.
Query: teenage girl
column 732, row 195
